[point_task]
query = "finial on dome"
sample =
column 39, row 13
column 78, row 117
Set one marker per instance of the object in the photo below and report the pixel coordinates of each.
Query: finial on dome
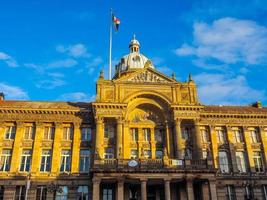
column 134, row 45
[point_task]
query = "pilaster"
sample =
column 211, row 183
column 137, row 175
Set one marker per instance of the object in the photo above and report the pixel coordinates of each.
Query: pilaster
column 119, row 149
column 76, row 148
column 230, row 137
column 178, row 139
column 167, row 189
column 263, row 134
column 99, row 151
column 96, row 188
column 120, row 189
column 198, row 140
column 56, row 148
column 249, row 148
column 143, row 189
column 189, row 189
column 214, row 144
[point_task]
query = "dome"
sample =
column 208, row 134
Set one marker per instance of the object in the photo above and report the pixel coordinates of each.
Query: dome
column 134, row 60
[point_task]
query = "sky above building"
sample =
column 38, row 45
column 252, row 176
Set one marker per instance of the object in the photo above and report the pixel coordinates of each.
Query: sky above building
column 53, row 50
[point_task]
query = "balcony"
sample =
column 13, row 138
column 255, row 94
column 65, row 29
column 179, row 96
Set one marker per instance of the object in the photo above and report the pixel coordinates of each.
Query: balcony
column 164, row 165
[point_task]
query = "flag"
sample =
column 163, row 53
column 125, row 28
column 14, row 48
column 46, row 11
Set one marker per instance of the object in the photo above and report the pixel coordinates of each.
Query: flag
column 116, row 22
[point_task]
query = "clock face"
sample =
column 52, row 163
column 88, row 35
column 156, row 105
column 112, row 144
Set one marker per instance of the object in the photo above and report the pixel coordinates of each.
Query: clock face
column 132, row 163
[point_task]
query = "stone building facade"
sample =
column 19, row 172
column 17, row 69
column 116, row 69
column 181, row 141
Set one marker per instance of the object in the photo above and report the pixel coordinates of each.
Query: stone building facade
column 146, row 136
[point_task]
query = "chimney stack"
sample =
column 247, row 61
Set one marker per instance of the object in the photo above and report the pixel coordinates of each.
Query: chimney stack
column 257, row 104
column 2, row 96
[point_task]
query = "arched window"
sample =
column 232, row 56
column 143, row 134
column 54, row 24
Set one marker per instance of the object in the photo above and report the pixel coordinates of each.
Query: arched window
column 223, row 162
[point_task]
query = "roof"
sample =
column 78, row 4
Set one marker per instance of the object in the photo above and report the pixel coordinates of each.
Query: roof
column 235, row 109
column 44, row 105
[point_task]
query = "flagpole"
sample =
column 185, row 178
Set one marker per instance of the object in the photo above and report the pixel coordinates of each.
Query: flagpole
column 110, row 45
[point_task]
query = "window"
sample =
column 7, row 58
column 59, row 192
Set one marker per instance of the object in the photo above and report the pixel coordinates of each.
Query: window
column 249, row 193
column 254, row 136
column 20, row 193
column 205, row 135
column 221, row 136
column 29, row 132
column 86, row 134
column 134, row 153
column 41, row 193
column 241, row 161
column 109, row 153
column 188, row 153
column 204, row 154
column 223, row 162
column 159, row 154
column 25, row 161
column 231, row 192
column 107, row 194
column 186, row 133
column 134, row 134
column 45, row 161
column 5, row 160
column 84, row 160
column 158, row 135
column 10, row 132
column 83, row 193
column 238, row 136
column 65, row 161
column 62, row 193
column 49, row 132
column 109, row 131
column 264, row 188
column 147, row 154
column 147, row 135
column 67, row 133
column 2, row 190
column 258, row 161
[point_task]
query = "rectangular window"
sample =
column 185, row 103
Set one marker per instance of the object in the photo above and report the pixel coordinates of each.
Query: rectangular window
column 107, row 194
column 109, row 131
column 65, row 161
column 223, row 162
column 84, row 160
column 5, row 160
column 147, row 134
column 186, row 133
column 83, row 193
column 86, row 134
column 159, row 154
column 249, row 193
column 221, row 136
column 238, row 136
column 147, row 154
column 158, row 135
column 205, row 135
column 46, row 161
column 20, row 193
column 188, row 153
column 41, row 193
column 2, row 190
column 241, row 161
column 134, row 134
column 204, row 154
column 49, row 132
column 62, row 193
column 134, row 154
column 258, row 161
column 25, row 160
column 29, row 132
column 231, row 192
column 109, row 153
column 264, row 188
column 67, row 133
column 10, row 132
column 254, row 136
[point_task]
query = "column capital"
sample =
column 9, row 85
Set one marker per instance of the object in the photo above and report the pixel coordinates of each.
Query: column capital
column 39, row 124
column 143, row 179
column 77, row 124
column 99, row 119
column 19, row 124
column 119, row 120
column 197, row 121
column 167, row 179
column 96, row 180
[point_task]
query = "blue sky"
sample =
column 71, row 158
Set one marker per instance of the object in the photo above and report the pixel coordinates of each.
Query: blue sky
column 54, row 50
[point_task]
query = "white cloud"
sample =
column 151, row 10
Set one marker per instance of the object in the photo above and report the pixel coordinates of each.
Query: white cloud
column 50, row 84
column 63, row 63
column 76, row 50
column 13, row 92
column 11, row 62
column 228, row 40
column 226, row 90
column 76, row 97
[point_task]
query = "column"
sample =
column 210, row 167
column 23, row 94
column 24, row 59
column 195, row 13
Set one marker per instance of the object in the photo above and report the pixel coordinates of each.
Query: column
column 167, row 189
column 231, row 141
column 205, row 191
column 213, row 191
column 263, row 134
column 99, row 137
column 119, row 149
column 120, row 190
column 153, row 143
column 37, row 150
column 76, row 148
column 15, row 160
column 96, row 189
column 214, row 144
column 249, row 149
column 143, row 189
column 178, row 139
column 167, row 140
column 56, row 148
column 190, row 189
column 198, row 141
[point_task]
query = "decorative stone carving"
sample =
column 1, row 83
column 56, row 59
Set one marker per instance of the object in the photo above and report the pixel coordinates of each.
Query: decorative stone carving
column 7, row 143
column 47, row 143
column 26, row 143
column 147, row 76
column 66, row 143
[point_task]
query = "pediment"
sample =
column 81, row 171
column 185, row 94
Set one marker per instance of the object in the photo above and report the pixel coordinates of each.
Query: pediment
column 146, row 75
